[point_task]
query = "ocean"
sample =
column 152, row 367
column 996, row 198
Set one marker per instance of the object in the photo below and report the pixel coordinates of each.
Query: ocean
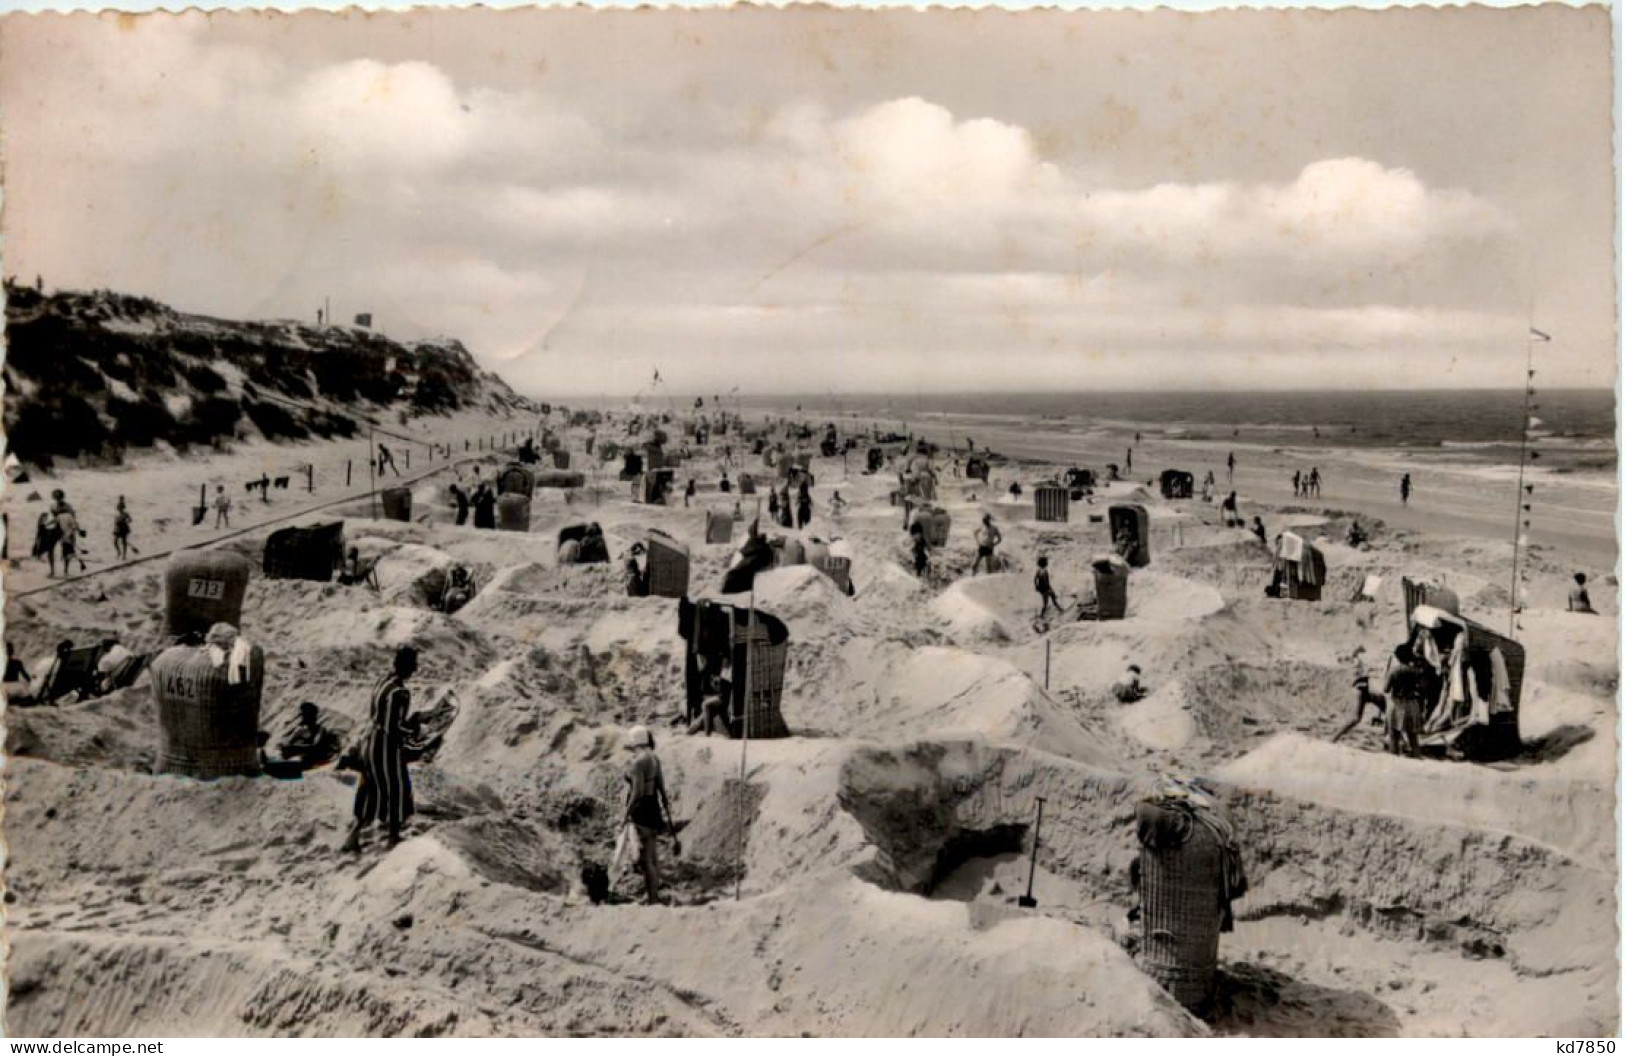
column 1479, row 426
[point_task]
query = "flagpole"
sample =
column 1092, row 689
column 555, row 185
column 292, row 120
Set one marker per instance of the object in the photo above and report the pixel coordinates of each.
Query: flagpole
column 744, row 740
column 1519, row 524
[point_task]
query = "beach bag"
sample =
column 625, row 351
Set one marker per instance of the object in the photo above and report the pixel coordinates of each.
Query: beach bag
column 203, row 588
column 513, row 513
column 561, row 459
column 206, row 726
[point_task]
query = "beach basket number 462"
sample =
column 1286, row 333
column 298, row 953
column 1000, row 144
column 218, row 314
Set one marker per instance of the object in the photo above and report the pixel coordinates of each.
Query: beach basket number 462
column 206, row 588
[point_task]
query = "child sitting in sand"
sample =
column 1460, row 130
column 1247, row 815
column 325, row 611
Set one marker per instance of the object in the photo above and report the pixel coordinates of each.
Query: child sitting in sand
column 1579, row 596
column 1129, row 690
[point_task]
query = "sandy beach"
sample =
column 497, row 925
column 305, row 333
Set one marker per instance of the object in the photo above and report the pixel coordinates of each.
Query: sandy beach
column 877, row 852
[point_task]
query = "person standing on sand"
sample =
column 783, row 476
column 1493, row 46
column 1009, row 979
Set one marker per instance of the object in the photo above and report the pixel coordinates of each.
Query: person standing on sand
column 804, row 506
column 121, row 531
column 1128, row 460
column 1314, row 481
column 1405, row 490
column 459, row 498
column 384, row 793
column 922, row 550
column 1411, row 686
column 222, row 507
column 1046, row 590
column 1230, row 467
column 647, row 809
column 46, row 536
column 67, row 523
column 1297, row 484
column 987, row 541
column 485, row 506
column 1579, row 596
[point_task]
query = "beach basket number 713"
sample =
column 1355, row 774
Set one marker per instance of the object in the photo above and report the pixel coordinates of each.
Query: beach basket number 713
column 206, row 588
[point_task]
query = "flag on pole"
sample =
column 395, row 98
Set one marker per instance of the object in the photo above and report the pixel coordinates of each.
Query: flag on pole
column 1539, row 336
column 657, row 377
column 364, row 320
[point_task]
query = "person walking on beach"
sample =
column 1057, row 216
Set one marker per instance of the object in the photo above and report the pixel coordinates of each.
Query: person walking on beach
column 384, row 793
column 647, row 809
column 46, row 536
column 1405, row 490
column 1045, row 589
column 1314, row 481
column 222, row 507
column 1230, row 467
column 67, row 523
column 121, row 531
column 1579, row 596
column 987, row 541
column 1128, row 460
column 386, row 458
column 1297, row 484
column 689, row 492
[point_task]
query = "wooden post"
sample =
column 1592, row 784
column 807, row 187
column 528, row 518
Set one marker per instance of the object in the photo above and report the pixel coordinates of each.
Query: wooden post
column 1046, row 663
column 310, row 477
column 409, row 456
column 347, row 467
column 372, row 484
column 744, row 740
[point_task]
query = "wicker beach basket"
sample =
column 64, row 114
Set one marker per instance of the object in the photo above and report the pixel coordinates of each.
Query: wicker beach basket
column 719, row 527
column 764, row 688
column 206, row 727
column 936, row 524
column 1180, row 917
column 203, row 588
column 516, row 480
column 305, row 552
column 397, row 504
column 837, row 568
column 513, row 512
column 1050, row 502
column 1111, row 590
column 667, row 566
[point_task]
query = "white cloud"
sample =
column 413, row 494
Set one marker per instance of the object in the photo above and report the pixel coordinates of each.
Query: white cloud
column 783, row 244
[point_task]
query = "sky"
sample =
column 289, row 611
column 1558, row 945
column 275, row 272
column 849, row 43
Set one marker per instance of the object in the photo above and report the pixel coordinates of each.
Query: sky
column 820, row 200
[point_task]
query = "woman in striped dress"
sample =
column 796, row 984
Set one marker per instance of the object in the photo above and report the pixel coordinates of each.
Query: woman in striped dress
column 384, row 793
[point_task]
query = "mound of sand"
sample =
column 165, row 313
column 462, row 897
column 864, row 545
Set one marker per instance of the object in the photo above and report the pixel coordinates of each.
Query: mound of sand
column 1553, row 812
